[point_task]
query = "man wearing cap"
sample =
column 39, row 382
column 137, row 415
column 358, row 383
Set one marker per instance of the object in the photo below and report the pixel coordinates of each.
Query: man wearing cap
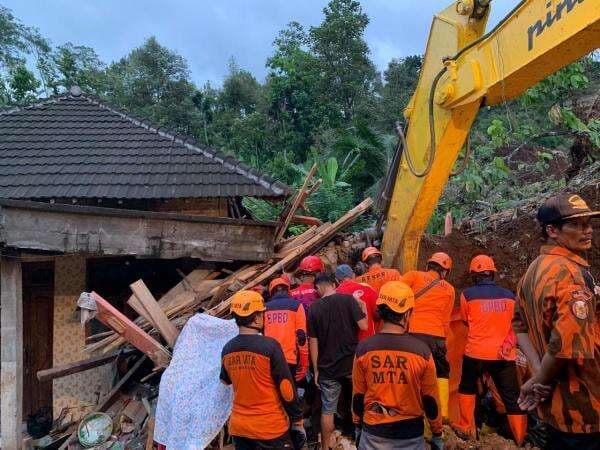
column 333, row 324
column 305, row 292
column 376, row 275
column 362, row 292
column 265, row 406
column 394, row 380
column 285, row 321
column 487, row 309
column 434, row 301
column 557, row 317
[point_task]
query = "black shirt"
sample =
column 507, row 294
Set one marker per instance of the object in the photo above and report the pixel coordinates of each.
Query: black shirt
column 332, row 320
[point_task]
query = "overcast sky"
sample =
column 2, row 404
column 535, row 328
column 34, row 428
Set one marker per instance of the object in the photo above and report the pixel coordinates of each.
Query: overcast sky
column 208, row 32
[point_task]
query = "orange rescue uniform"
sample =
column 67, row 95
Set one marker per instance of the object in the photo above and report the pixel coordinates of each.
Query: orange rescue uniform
column 264, row 397
column 377, row 276
column 433, row 309
column 557, row 307
column 394, row 387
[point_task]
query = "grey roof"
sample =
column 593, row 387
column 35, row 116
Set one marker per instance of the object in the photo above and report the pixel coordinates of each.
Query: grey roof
column 74, row 145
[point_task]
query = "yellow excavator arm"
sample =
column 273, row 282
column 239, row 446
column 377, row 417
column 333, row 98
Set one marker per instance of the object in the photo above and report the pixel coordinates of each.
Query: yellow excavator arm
column 464, row 69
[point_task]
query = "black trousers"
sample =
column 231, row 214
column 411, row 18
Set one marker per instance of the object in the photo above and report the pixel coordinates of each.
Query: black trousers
column 503, row 373
column 283, row 442
column 560, row 440
column 437, row 345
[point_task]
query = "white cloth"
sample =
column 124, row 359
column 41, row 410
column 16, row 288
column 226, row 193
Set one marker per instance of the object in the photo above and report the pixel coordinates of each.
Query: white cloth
column 193, row 404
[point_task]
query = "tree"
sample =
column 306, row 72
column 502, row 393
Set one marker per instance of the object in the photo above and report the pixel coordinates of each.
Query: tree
column 77, row 65
column 153, row 82
column 343, row 56
column 400, row 77
column 241, row 91
column 23, row 85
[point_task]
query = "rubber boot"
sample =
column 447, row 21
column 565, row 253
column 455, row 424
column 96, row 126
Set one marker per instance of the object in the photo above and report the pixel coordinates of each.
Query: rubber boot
column 465, row 428
column 444, row 391
column 518, row 426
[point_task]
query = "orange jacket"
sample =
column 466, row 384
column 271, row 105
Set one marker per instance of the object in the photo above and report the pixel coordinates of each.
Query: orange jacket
column 285, row 321
column 394, row 387
column 433, row 308
column 377, row 276
column 558, row 309
column 264, row 397
column 488, row 310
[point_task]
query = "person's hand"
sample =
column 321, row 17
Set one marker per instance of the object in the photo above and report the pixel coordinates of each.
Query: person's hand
column 298, row 435
column 527, row 400
column 436, row 442
column 542, row 391
column 317, row 378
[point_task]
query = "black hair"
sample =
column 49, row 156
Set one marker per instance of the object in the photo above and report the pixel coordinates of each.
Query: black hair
column 374, row 259
column 487, row 275
column 558, row 224
column 279, row 288
column 432, row 265
column 387, row 315
column 244, row 321
column 324, row 278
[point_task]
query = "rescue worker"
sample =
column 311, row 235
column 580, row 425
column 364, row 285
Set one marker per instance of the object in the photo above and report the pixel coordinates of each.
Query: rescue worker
column 376, row 275
column 285, row 321
column 557, row 319
column 394, row 380
column 362, row 292
column 333, row 324
column 305, row 292
column 265, row 405
column 487, row 309
column 434, row 301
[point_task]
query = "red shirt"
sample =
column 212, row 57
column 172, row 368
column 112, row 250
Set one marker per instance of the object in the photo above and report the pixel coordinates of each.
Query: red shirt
column 306, row 294
column 368, row 295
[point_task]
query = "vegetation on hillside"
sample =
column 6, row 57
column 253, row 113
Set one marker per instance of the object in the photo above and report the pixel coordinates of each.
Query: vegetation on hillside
column 322, row 101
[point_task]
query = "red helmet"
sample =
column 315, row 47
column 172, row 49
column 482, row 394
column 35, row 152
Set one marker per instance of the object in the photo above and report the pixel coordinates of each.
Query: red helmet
column 278, row 282
column 442, row 259
column 482, row 263
column 311, row 264
column 369, row 251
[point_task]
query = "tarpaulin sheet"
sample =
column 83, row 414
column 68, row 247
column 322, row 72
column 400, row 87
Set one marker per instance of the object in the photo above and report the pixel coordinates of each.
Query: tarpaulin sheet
column 193, row 404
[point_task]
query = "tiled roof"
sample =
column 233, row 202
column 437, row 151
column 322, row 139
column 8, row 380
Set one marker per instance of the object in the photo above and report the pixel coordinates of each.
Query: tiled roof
column 74, row 145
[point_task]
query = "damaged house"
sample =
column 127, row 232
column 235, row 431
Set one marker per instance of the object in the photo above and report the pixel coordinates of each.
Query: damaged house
column 93, row 198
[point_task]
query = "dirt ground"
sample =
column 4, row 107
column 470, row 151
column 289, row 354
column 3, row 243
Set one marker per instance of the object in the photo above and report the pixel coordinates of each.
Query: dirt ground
column 513, row 240
column 485, row 442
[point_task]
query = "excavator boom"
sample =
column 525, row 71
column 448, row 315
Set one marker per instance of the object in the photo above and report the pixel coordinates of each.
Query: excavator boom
column 463, row 69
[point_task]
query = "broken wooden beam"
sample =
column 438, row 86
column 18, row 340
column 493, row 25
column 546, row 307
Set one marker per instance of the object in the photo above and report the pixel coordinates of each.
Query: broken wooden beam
column 80, row 366
column 118, row 322
column 157, row 316
column 298, row 199
column 306, row 220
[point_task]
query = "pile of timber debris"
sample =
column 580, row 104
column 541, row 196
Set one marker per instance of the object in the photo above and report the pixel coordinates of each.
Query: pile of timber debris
column 156, row 329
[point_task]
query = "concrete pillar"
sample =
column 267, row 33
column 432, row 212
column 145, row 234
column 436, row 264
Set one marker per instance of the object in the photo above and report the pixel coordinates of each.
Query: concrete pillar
column 11, row 370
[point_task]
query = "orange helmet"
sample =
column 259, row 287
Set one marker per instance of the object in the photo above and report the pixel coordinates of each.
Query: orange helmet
column 442, row 259
column 278, row 282
column 482, row 263
column 244, row 303
column 397, row 296
column 369, row 251
column 311, row 264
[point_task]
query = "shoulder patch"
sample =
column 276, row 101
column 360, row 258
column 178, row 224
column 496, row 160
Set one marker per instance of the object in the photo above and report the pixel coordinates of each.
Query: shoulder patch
column 580, row 309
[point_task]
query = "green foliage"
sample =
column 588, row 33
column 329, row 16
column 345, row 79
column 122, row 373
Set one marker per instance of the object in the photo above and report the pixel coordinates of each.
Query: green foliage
column 498, row 133
column 23, row 84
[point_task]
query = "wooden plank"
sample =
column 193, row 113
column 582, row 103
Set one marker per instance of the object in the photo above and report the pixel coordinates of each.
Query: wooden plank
column 306, row 220
column 187, row 284
column 117, row 321
column 289, row 213
column 79, row 366
column 102, row 231
column 11, row 369
column 159, row 318
column 314, row 243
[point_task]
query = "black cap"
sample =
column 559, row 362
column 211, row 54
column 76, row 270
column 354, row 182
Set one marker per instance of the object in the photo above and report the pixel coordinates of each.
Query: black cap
column 324, row 278
column 564, row 206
